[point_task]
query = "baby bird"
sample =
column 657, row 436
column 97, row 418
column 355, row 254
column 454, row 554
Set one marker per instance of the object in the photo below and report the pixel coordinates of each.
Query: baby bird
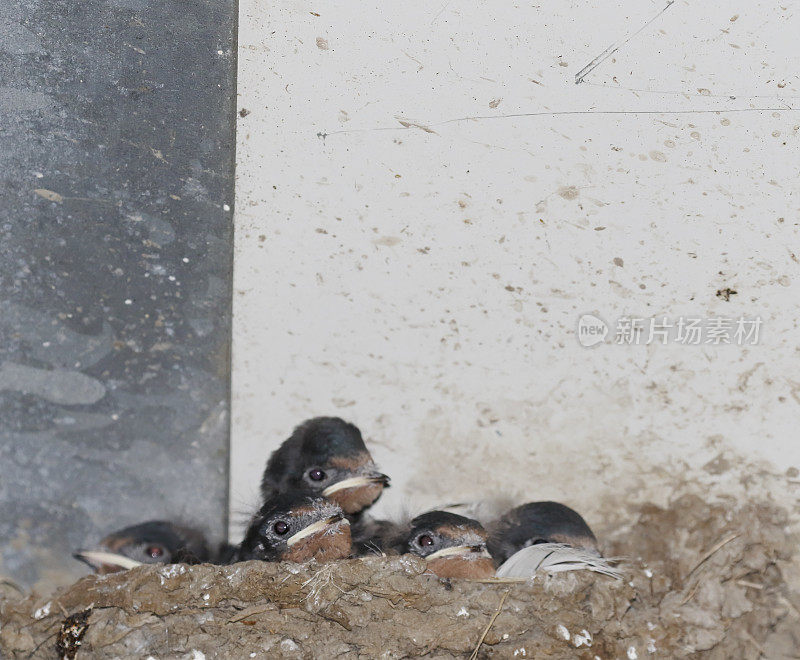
column 151, row 542
column 327, row 457
column 298, row 528
column 545, row 536
column 453, row 546
column 539, row 522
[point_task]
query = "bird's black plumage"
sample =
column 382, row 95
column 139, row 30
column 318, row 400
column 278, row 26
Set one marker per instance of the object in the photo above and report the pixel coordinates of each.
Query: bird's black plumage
column 153, row 542
column 318, row 443
column 444, row 528
column 271, row 533
column 454, row 546
column 539, row 522
column 326, row 456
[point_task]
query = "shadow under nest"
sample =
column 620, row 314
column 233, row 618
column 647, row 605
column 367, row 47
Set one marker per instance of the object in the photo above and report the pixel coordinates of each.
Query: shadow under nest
column 701, row 580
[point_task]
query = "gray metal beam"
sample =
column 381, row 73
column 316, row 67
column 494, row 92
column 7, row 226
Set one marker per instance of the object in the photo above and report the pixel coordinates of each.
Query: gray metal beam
column 116, row 193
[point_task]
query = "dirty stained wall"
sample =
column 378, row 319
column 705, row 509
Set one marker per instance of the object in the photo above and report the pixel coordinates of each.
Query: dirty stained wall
column 427, row 202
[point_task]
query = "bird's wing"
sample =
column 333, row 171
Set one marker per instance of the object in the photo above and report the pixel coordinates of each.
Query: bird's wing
column 555, row 558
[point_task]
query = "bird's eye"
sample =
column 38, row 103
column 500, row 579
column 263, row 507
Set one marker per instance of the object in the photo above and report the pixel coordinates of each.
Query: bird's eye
column 155, row 551
column 538, row 541
column 425, row 541
column 281, row 527
column 316, row 474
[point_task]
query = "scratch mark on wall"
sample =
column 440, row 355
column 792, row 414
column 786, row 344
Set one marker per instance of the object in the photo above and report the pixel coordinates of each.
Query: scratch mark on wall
column 613, row 48
column 58, row 198
column 732, row 96
column 413, row 59
column 441, row 10
column 406, row 124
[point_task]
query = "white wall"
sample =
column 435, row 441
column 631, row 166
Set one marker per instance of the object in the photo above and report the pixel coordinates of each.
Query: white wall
column 426, row 282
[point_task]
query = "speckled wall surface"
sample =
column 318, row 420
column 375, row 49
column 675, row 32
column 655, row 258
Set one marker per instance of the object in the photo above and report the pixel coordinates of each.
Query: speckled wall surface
column 116, row 174
column 427, row 203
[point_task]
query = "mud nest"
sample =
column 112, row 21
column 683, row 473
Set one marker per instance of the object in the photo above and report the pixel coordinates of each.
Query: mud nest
column 700, row 580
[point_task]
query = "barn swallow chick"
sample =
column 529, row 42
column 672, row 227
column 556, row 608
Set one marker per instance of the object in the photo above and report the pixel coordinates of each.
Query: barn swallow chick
column 545, row 536
column 151, row 542
column 298, row 528
column 326, row 456
column 453, row 546
column 539, row 522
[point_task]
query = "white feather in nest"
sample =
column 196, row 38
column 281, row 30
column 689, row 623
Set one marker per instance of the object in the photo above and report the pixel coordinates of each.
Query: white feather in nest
column 555, row 558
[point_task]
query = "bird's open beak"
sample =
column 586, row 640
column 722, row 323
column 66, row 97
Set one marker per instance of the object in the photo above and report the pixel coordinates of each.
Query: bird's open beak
column 356, row 482
column 314, row 528
column 99, row 558
column 467, row 551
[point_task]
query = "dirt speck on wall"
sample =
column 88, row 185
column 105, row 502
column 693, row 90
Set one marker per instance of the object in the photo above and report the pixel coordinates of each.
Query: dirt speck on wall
column 701, row 580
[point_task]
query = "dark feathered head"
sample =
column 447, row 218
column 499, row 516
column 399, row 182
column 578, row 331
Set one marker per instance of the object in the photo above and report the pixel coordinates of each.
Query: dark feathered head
column 539, row 522
column 452, row 545
column 296, row 527
column 151, row 542
column 325, row 456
